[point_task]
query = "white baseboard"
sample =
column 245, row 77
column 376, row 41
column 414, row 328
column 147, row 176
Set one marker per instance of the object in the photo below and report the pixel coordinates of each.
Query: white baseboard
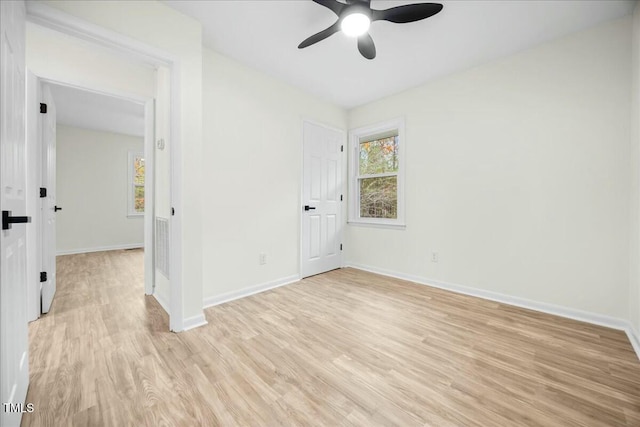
column 251, row 290
column 567, row 312
column 100, row 249
column 634, row 338
column 189, row 322
column 194, row 322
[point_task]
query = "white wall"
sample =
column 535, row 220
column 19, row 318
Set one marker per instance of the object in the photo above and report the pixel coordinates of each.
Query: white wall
column 518, row 175
column 92, row 189
column 252, row 174
column 634, row 293
column 160, row 26
column 59, row 57
column 162, row 172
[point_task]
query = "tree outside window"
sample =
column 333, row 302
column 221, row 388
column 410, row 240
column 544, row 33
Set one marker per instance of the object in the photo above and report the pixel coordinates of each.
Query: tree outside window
column 136, row 184
column 378, row 176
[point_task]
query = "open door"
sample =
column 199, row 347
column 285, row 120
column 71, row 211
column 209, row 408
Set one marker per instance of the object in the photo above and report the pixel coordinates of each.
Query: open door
column 14, row 340
column 34, row 204
column 49, row 208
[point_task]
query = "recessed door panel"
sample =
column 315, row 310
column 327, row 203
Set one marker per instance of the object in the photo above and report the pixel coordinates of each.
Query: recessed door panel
column 332, row 180
column 314, row 237
column 331, row 235
column 316, row 178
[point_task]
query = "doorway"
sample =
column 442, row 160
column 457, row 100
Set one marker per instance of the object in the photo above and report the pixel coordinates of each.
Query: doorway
column 97, row 148
column 116, row 68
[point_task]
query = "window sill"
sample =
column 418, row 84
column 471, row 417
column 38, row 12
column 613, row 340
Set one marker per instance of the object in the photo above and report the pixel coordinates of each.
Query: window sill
column 136, row 215
column 396, row 226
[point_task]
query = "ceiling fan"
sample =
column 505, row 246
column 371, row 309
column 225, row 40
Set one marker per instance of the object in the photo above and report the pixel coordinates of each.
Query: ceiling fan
column 355, row 17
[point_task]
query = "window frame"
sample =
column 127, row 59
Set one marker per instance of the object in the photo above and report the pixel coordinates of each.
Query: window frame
column 355, row 135
column 131, row 212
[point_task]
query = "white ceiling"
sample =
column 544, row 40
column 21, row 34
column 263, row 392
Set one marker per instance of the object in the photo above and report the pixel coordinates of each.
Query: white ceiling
column 265, row 34
column 91, row 110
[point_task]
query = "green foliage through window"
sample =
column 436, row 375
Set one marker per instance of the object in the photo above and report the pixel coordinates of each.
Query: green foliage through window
column 138, row 169
column 379, row 156
column 379, row 197
column 138, row 184
column 138, row 199
column 379, row 194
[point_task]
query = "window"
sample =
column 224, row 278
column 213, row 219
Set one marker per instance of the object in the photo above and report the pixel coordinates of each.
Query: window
column 377, row 175
column 136, row 184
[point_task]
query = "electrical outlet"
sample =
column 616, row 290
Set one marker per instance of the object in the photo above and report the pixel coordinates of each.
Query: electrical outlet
column 263, row 258
column 434, row 256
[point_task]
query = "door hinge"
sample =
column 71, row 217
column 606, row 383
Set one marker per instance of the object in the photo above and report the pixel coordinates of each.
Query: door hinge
column 340, row 246
column 341, row 197
column 43, row 192
column 43, row 276
column 173, row 212
column 43, row 108
column 341, row 148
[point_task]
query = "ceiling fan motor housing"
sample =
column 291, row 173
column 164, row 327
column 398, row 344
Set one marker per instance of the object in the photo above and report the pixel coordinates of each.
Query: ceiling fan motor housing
column 359, row 7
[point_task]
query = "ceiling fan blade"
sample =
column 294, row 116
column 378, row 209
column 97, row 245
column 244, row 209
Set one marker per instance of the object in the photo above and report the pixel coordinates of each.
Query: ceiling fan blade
column 320, row 36
column 366, row 46
column 334, row 5
column 406, row 13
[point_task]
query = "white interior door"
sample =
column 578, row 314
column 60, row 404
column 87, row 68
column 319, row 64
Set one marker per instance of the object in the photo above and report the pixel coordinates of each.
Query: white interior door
column 49, row 208
column 14, row 342
column 34, row 204
column 322, row 199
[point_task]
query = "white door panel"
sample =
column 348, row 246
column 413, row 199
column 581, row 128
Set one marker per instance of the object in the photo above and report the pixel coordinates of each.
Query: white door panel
column 34, row 203
column 322, row 191
column 48, row 126
column 14, row 343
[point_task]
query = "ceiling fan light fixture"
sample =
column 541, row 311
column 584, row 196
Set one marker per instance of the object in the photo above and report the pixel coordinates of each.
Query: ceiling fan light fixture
column 355, row 17
column 355, row 24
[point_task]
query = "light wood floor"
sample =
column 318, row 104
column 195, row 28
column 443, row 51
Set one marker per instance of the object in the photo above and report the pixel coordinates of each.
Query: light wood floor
column 343, row 348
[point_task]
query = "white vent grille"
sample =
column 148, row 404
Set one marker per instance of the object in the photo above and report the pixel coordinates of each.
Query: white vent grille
column 162, row 246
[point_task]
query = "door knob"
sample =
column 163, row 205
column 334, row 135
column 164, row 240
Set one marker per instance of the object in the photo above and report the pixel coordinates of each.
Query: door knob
column 56, row 209
column 309, row 208
column 7, row 220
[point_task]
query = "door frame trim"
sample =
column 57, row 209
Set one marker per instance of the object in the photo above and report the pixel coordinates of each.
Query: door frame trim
column 149, row 121
column 343, row 218
column 52, row 18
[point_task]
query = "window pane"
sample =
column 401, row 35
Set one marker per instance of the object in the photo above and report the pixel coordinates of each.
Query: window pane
column 138, row 171
column 379, row 156
column 379, row 197
column 138, row 199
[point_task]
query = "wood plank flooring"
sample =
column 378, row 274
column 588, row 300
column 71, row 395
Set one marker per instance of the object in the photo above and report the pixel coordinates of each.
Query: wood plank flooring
column 346, row 348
